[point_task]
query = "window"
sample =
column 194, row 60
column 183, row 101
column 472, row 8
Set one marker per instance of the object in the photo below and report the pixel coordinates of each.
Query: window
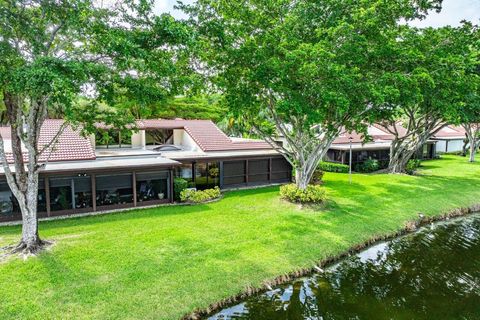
column 42, row 196
column 60, row 194
column 113, row 138
column 213, row 174
column 258, row 171
column 158, row 137
column 207, row 175
column 82, row 192
column 184, row 171
column 114, row 189
column 234, row 173
column 8, row 203
column 281, row 170
column 201, row 178
column 152, row 186
column 70, row 193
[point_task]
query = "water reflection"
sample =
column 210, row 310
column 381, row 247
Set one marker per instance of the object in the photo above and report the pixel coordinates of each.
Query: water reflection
column 432, row 274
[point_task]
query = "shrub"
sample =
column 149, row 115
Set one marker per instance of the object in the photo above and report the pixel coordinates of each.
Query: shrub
column 179, row 185
column 412, row 166
column 312, row 194
column 369, row 165
column 333, row 167
column 317, row 177
column 197, row 196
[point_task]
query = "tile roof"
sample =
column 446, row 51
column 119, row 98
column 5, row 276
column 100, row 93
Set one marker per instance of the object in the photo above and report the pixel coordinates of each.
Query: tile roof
column 450, row 132
column 204, row 132
column 380, row 134
column 71, row 144
column 377, row 133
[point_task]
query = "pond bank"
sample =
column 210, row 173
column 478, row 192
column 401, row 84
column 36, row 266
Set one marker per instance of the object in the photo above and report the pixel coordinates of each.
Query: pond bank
column 165, row 262
column 410, row 227
column 433, row 273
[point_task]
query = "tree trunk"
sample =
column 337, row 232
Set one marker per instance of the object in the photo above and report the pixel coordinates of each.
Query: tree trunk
column 304, row 169
column 472, row 132
column 402, row 151
column 301, row 178
column 23, row 182
column 30, row 242
column 473, row 146
column 398, row 164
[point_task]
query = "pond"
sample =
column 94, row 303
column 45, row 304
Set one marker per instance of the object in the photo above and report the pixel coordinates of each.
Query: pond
column 431, row 274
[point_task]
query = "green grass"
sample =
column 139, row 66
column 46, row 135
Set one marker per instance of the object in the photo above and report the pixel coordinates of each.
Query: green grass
column 162, row 263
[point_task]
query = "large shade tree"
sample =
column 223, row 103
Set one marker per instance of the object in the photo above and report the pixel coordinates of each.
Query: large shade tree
column 52, row 51
column 298, row 71
column 469, row 112
column 427, row 76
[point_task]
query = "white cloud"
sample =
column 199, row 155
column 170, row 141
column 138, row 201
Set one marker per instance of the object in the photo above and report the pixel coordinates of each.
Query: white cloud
column 452, row 13
column 167, row 6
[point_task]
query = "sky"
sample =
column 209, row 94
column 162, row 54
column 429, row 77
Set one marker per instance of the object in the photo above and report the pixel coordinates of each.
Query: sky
column 453, row 12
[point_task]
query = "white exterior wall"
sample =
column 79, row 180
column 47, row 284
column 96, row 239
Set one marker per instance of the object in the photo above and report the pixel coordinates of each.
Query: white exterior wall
column 138, row 139
column 440, row 146
column 182, row 138
column 453, row 146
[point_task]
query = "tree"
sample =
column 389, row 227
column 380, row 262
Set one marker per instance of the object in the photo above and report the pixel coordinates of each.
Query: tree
column 186, row 107
column 427, row 77
column 51, row 52
column 469, row 112
column 301, row 70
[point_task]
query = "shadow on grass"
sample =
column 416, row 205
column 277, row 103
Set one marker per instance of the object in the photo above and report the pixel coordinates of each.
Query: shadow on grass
column 111, row 217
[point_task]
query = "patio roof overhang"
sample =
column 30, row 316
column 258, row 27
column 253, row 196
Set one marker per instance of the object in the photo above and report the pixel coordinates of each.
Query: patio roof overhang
column 105, row 165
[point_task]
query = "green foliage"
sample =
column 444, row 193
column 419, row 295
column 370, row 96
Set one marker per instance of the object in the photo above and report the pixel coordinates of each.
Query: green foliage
column 412, row 166
column 300, row 69
column 70, row 48
column 198, row 196
column 369, row 165
column 179, row 185
column 312, row 194
column 432, row 74
column 196, row 107
column 333, row 167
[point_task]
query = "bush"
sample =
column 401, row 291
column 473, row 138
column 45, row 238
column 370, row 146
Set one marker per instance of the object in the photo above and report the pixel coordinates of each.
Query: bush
column 412, row 165
column 179, row 185
column 317, row 177
column 312, row 194
column 367, row 166
column 197, row 196
column 333, row 167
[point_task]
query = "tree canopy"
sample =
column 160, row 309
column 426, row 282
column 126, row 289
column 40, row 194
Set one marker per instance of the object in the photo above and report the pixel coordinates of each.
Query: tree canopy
column 302, row 71
column 428, row 80
column 53, row 51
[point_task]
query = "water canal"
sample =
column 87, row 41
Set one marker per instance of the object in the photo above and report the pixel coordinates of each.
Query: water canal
column 430, row 274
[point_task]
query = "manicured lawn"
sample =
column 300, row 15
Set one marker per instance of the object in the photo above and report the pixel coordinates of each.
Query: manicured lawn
column 162, row 263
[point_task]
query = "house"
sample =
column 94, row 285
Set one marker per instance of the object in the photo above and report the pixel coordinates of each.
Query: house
column 109, row 171
column 377, row 147
column 450, row 139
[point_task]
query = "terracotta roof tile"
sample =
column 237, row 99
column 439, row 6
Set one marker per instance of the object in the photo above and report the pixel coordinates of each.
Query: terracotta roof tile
column 204, row 132
column 71, row 144
column 449, row 132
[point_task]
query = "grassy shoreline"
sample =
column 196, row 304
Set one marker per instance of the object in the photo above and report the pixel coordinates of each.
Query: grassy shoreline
column 166, row 262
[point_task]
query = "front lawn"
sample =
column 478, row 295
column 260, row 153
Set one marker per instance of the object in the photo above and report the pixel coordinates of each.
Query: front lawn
column 163, row 263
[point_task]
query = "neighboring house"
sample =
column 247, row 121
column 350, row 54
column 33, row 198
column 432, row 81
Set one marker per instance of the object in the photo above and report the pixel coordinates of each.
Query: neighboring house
column 98, row 173
column 378, row 147
column 450, row 139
